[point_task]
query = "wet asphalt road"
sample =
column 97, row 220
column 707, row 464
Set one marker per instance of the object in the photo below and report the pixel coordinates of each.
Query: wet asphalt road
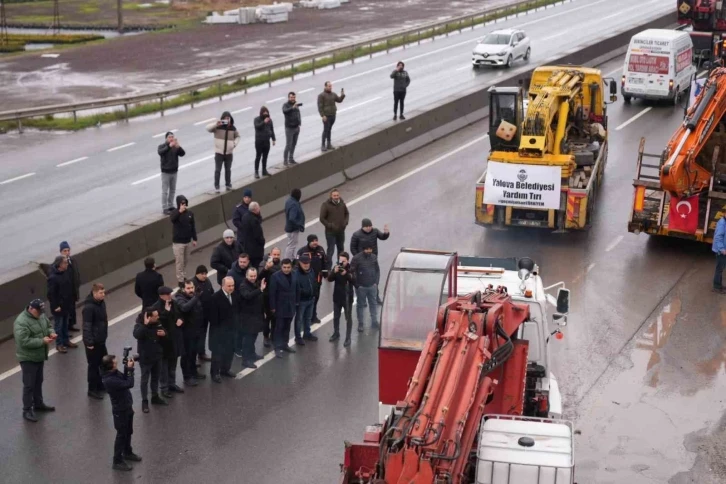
column 110, row 177
column 641, row 366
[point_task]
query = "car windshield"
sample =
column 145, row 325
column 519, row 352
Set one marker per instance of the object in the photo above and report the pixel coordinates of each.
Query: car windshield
column 496, row 39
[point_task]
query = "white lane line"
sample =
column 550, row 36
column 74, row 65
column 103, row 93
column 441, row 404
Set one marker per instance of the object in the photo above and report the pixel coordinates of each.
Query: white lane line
column 306, row 90
column 276, row 99
column 468, row 66
column 181, row 167
column 614, row 243
column 555, row 36
column 17, row 178
column 116, row 148
column 164, row 133
column 633, row 118
column 359, row 104
column 242, row 110
column 205, row 121
column 590, row 267
column 72, row 161
column 614, row 71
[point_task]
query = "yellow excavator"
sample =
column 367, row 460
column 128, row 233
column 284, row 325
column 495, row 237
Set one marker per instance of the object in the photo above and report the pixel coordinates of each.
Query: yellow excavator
column 547, row 158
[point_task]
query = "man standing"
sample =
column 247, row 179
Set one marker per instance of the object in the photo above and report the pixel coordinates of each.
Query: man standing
column 334, row 216
column 184, row 234
column 203, row 287
column 148, row 283
column 365, row 273
column 33, row 334
column 319, row 265
column 226, row 139
column 119, row 387
column 150, row 334
column 304, row 278
column 224, row 255
column 238, row 272
column 293, row 121
column 191, row 311
column 222, row 324
column 95, row 332
column 172, row 343
column 400, row 84
column 719, row 248
column 253, row 235
column 370, row 235
column 342, row 297
column 251, row 316
column 169, row 152
column 264, row 132
column 294, row 222
column 65, row 250
column 239, row 212
column 283, row 299
column 327, row 109
column 269, row 266
column 62, row 302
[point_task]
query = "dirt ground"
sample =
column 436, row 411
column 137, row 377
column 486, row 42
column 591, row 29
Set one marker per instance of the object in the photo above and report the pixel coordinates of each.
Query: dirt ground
column 136, row 63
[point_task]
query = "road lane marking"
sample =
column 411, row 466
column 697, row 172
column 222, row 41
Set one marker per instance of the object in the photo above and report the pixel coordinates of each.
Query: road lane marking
column 275, row 100
column 121, row 147
column 614, row 71
column 590, row 267
column 72, row 161
column 242, row 110
column 614, row 243
column 468, row 66
column 164, row 133
column 17, row 178
column 555, row 36
column 583, row 273
column 633, row 118
column 181, row 167
column 306, row 90
column 205, row 121
column 359, row 104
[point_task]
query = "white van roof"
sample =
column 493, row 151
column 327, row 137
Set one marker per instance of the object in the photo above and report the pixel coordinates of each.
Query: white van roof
column 660, row 34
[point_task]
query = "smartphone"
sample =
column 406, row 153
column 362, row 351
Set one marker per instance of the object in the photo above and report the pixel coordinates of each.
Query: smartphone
column 299, row 104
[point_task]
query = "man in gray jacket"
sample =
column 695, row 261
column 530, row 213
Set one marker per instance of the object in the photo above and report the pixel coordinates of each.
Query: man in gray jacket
column 293, row 121
column 327, row 109
column 366, row 273
column 226, row 139
column 400, row 84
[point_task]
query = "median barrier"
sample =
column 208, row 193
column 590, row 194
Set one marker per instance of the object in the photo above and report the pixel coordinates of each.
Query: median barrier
column 116, row 257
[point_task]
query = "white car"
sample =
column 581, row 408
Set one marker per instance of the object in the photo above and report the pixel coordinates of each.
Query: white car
column 501, row 48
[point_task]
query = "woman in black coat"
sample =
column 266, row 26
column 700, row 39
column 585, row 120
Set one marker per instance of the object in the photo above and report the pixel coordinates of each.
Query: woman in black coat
column 264, row 132
column 251, row 316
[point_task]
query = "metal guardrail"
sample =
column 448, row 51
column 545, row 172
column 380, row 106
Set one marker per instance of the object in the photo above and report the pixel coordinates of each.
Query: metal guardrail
column 414, row 34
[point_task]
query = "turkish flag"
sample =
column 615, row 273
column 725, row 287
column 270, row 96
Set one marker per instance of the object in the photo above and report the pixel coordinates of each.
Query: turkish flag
column 683, row 215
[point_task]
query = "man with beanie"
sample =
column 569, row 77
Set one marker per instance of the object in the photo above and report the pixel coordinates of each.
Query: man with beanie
column 400, row 84
column 334, row 216
column 293, row 121
column 239, row 212
column 95, row 333
column 169, row 152
column 342, row 297
column 61, row 298
column 318, row 265
column 365, row 274
column 367, row 234
column 304, row 279
column 203, row 287
column 294, row 222
column 33, row 334
column 173, row 342
column 225, row 254
column 184, row 234
column 327, row 109
column 148, row 283
column 253, row 235
column 75, row 274
column 226, row 139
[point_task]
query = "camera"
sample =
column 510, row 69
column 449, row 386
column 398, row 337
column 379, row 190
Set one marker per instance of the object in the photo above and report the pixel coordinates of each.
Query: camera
column 299, row 104
column 224, row 122
column 127, row 351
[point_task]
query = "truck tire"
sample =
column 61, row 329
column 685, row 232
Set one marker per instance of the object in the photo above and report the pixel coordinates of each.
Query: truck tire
column 626, row 98
column 677, row 96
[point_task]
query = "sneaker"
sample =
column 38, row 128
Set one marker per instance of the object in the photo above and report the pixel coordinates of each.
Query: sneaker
column 166, row 211
column 216, row 189
column 257, row 175
column 316, row 320
column 121, row 466
column 249, row 364
column 265, row 173
column 61, row 349
column 191, row 382
column 310, row 337
column 279, row 354
column 176, row 389
column 145, row 406
column 331, row 147
column 43, row 408
column 71, row 344
column 157, row 400
column 292, row 162
column 166, row 395
column 299, row 342
column 395, row 117
column 29, row 416
column 287, row 349
column 238, row 354
column 267, row 343
column 335, row 337
column 323, row 148
column 347, row 342
column 228, row 188
column 360, row 328
column 719, row 290
column 284, row 163
column 402, row 117
column 132, row 457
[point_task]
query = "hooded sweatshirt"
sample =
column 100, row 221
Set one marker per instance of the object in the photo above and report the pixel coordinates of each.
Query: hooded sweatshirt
column 226, row 137
column 170, row 156
column 185, row 229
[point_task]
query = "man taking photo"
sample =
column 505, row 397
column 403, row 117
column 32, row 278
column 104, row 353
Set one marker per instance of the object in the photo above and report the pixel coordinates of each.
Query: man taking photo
column 119, row 387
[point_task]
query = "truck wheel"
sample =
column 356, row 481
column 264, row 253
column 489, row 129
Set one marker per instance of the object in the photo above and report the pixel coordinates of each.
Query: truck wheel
column 677, row 96
column 626, row 98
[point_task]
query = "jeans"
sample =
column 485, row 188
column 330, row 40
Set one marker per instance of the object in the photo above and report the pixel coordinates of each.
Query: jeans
column 282, row 332
column 72, row 319
column 720, row 266
column 248, row 347
column 291, row 135
column 123, row 422
column 152, row 370
column 189, row 360
column 398, row 97
column 168, row 373
column 291, row 248
column 327, row 129
column 61, row 329
column 337, row 309
column 181, row 256
column 333, row 241
column 93, row 357
column 168, row 190
column 367, row 297
column 202, row 340
column 303, row 318
column 225, row 160
column 32, row 384
column 262, row 149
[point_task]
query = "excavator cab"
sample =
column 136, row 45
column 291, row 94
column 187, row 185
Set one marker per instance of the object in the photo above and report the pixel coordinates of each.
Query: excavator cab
column 506, row 113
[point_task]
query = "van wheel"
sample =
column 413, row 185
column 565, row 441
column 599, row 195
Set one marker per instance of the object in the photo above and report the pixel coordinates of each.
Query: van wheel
column 677, row 96
column 626, row 98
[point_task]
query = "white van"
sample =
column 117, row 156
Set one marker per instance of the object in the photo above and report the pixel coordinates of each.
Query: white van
column 658, row 65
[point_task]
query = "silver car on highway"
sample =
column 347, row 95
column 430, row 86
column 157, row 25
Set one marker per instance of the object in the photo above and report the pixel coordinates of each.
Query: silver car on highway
column 501, row 48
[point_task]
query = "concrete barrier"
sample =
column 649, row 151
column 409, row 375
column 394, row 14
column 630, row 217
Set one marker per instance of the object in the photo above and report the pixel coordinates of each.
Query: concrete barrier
column 116, row 256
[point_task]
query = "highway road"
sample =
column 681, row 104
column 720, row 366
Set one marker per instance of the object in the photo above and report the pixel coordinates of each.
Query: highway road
column 641, row 365
column 77, row 186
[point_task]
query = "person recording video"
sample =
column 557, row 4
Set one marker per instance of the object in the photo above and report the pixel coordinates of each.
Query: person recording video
column 264, row 132
column 119, row 385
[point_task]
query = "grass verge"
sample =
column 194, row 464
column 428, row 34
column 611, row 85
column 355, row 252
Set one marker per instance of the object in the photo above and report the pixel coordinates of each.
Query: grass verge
column 81, row 122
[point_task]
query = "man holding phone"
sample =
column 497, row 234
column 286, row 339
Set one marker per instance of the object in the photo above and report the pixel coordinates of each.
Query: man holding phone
column 33, row 334
column 169, row 153
column 293, row 121
column 119, row 387
column 226, row 139
column 327, row 109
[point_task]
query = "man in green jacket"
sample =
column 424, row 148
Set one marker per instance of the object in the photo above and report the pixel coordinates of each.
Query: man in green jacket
column 33, row 334
column 327, row 109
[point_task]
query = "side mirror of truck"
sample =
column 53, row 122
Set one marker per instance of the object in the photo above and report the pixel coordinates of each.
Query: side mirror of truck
column 613, row 87
column 563, row 301
column 559, row 319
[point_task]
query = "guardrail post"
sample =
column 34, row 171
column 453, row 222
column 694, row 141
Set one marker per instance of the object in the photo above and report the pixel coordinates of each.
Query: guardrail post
column 388, row 46
column 370, row 50
column 20, row 125
column 352, row 55
column 460, row 26
column 418, row 37
column 75, row 118
column 313, row 63
column 219, row 89
column 161, row 104
column 126, row 111
column 269, row 77
column 245, row 82
column 292, row 70
column 446, row 27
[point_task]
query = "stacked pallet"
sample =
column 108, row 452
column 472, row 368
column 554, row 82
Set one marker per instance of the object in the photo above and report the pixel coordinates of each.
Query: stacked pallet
column 216, row 18
column 272, row 14
column 320, row 4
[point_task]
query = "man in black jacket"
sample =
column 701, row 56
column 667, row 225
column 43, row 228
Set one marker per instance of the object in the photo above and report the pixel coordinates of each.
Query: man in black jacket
column 190, row 307
column 119, row 387
column 304, row 278
column 370, row 235
column 239, row 212
column 224, row 255
column 149, row 333
column 169, row 152
column 253, row 235
column 95, row 332
column 269, row 266
column 283, row 300
column 172, row 344
column 62, row 302
column 319, row 266
column 223, row 322
column 293, row 121
column 148, row 283
column 264, row 132
column 75, row 275
column 342, row 297
column 251, row 316
column 203, row 287
column 366, row 273
column 185, row 233
column 401, row 80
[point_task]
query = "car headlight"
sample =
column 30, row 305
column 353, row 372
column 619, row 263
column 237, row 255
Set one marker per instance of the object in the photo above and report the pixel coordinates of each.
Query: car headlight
column 504, row 52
